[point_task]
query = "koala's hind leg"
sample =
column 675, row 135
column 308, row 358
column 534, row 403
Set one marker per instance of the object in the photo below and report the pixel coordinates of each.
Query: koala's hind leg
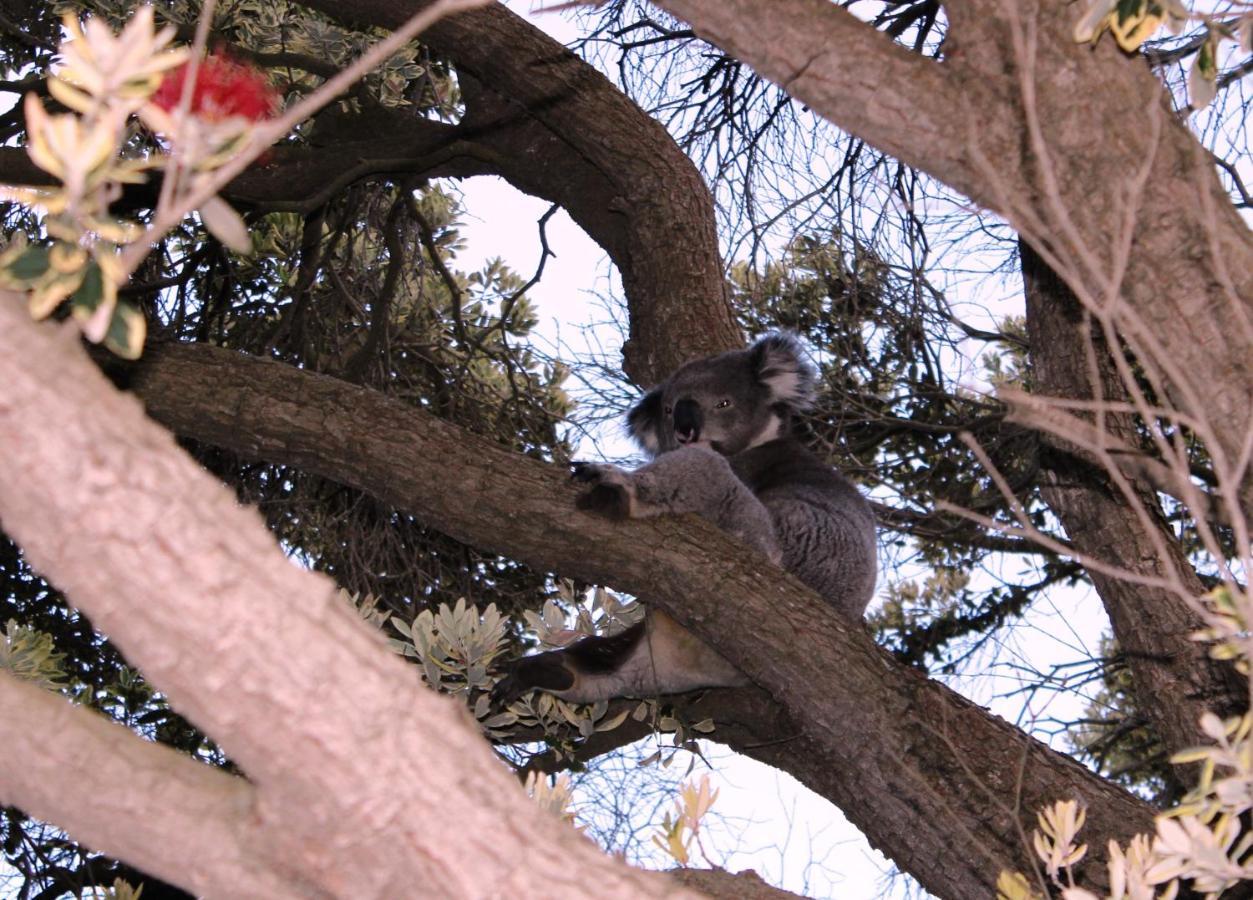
column 690, row 479
column 653, row 657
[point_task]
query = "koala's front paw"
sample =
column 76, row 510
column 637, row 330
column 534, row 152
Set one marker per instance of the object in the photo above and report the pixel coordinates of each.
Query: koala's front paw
column 611, row 494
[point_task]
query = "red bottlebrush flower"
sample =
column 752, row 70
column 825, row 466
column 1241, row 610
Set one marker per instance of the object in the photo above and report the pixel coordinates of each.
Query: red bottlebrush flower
column 224, row 89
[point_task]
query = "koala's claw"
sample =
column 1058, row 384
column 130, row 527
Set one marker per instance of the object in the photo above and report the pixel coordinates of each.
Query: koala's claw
column 609, row 496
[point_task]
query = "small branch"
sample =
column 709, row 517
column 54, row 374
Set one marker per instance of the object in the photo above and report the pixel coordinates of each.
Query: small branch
column 380, row 309
column 1103, row 449
column 507, row 306
column 150, row 805
column 426, row 235
column 1246, row 201
column 1031, row 533
column 173, row 174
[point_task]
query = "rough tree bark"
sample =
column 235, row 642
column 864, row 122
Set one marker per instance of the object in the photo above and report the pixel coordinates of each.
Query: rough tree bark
column 1074, row 145
column 940, row 785
column 1153, row 625
column 354, row 769
column 891, row 748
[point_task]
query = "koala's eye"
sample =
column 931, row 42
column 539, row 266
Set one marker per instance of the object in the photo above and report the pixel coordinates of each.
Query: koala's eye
column 722, row 404
column 669, row 410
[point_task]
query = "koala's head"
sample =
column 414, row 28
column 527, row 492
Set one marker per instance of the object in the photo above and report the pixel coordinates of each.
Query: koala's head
column 728, row 402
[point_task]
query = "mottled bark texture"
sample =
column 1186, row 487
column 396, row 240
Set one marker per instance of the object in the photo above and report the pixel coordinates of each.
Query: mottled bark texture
column 1174, row 679
column 1074, row 145
column 937, row 783
column 354, row 770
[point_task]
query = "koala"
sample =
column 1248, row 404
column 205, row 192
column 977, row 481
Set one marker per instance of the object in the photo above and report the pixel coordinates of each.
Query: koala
column 719, row 432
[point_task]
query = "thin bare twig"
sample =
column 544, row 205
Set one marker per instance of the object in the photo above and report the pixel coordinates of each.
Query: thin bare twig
column 1099, row 447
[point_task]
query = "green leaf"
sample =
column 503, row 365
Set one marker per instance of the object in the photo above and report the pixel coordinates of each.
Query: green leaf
column 1202, row 78
column 31, row 265
column 611, row 724
column 90, row 291
column 651, row 760
column 1128, row 9
column 1135, row 23
column 1207, row 58
column 126, row 333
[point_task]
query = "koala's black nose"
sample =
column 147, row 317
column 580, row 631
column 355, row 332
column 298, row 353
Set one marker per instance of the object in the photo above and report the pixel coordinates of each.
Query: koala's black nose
column 687, row 421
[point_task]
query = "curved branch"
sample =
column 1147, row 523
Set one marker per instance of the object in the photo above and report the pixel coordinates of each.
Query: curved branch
column 937, row 783
column 612, row 167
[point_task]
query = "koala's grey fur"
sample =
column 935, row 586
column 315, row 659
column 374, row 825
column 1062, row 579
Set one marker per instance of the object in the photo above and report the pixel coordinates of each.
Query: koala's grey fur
column 719, row 430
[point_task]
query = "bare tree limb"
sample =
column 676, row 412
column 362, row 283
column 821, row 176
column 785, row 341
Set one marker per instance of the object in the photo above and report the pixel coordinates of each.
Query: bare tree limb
column 133, row 799
column 928, row 776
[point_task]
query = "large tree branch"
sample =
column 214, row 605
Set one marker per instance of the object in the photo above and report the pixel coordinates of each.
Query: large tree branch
column 552, row 126
column 1112, row 188
column 560, row 130
column 669, row 248
column 133, row 799
column 939, row 784
column 356, row 767
column 301, row 179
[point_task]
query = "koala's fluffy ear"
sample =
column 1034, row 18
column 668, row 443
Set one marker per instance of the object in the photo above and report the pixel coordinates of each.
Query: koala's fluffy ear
column 780, row 365
column 644, row 421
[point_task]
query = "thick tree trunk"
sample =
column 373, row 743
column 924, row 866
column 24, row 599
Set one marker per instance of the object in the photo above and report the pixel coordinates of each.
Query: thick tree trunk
column 354, row 769
column 943, row 787
column 1175, row 681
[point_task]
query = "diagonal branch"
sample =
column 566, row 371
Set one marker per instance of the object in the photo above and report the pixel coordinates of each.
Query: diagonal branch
column 1070, row 433
column 355, row 765
column 859, row 78
column 152, row 806
column 931, row 778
